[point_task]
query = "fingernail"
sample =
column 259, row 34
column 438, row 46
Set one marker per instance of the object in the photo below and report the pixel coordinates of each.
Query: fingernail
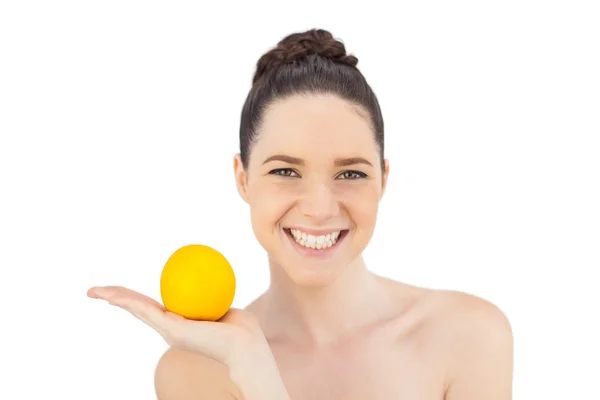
column 91, row 293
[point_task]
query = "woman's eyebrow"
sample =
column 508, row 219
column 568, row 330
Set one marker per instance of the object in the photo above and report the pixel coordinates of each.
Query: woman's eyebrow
column 339, row 162
column 284, row 158
column 344, row 162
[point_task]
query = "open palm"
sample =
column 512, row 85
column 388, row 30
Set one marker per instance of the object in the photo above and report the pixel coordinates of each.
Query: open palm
column 224, row 340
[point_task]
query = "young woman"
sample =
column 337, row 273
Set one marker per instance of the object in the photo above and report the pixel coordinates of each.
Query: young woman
column 312, row 168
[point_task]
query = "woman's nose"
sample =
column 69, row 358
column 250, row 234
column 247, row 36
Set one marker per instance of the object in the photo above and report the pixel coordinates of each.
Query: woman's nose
column 319, row 203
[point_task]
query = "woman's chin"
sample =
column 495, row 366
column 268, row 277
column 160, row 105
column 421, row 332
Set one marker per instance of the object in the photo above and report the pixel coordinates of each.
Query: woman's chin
column 312, row 276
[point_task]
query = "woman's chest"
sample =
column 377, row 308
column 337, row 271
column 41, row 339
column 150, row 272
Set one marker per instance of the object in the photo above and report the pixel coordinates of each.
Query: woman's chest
column 364, row 370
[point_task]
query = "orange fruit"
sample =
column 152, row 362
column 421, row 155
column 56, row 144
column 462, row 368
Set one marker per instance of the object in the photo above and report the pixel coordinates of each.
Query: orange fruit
column 198, row 283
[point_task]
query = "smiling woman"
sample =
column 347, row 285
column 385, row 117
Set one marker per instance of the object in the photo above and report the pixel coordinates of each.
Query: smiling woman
column 312, row 169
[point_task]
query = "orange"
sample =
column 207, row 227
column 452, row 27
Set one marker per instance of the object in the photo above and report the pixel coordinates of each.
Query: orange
column 198, row 283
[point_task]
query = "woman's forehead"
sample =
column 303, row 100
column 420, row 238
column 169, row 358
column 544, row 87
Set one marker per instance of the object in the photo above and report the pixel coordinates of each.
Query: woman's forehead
column 315, row 125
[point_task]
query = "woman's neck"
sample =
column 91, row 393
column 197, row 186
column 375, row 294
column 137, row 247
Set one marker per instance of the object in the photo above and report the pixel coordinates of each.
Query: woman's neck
column 320, row 315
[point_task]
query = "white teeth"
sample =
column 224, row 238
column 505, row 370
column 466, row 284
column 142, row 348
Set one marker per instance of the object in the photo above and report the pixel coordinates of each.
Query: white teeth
column 315, row 242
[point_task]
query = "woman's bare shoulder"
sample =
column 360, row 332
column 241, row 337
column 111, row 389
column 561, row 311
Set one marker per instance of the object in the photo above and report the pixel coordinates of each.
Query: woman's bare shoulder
column 466, row 334
column 466, row 313
column 460, row 316
column 437, row 307
column 182, row 375
column 477, row 337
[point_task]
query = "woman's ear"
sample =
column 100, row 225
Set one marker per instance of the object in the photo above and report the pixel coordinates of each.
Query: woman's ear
column 384, row 177
column 241, row 178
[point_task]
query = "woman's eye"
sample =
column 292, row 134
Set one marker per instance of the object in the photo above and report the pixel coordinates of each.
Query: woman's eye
column 352, row 175
column 284, row 172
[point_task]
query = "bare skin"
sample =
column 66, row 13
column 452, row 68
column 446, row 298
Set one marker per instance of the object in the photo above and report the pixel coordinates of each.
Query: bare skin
column 438, row 345
column 336, row 330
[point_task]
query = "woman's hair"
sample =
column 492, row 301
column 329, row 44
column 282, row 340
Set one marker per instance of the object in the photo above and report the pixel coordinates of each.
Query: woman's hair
column 311, row 62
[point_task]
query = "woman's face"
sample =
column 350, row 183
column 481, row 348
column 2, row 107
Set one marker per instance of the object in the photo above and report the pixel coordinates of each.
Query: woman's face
column 313, row 183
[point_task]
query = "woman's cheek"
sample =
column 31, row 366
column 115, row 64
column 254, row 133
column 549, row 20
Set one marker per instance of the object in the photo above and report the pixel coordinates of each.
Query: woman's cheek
column 274, row 199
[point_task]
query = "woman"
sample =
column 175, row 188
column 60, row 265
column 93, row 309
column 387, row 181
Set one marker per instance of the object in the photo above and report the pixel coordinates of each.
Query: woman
column 312, row 168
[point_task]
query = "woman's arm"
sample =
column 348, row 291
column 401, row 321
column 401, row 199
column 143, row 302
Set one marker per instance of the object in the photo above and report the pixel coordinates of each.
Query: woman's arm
column 183, row 375
column 235, row 341
column 257, row 377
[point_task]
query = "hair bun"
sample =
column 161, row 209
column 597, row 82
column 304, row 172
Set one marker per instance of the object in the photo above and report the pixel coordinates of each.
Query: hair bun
column 299, row 45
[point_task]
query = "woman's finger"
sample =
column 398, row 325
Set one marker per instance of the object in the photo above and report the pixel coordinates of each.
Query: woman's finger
column 142, row 307
column 110, row 293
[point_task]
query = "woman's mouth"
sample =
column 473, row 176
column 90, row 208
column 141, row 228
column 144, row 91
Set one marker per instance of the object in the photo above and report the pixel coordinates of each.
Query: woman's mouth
column 321, row 242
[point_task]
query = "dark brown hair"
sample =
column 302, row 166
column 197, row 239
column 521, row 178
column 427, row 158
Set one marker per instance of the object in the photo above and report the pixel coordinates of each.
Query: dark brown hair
column 311, row 62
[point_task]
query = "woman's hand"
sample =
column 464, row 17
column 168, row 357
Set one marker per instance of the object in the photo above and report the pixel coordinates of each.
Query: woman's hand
column 236, row 336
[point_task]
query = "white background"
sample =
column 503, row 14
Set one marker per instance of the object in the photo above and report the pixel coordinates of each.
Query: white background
column 119, row 121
